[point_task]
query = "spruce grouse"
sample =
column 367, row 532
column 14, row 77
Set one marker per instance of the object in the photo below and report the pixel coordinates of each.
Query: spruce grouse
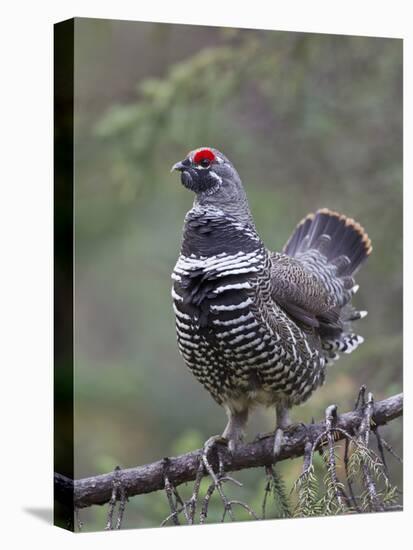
column 255, row 326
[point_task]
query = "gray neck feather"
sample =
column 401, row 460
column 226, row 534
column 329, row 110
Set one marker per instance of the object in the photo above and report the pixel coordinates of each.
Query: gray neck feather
column 231, row 198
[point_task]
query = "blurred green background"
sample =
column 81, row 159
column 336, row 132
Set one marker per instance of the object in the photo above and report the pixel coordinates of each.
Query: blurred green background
column 309, row 121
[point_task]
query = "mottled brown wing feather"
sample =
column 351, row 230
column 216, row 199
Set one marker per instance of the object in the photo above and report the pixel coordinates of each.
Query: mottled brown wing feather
column 300, row 293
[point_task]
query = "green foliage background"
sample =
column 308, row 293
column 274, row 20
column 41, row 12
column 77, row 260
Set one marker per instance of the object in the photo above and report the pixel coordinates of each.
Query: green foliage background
column 309, row 121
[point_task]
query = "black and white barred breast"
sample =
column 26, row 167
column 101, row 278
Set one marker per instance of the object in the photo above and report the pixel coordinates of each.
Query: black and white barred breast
column 235, row 338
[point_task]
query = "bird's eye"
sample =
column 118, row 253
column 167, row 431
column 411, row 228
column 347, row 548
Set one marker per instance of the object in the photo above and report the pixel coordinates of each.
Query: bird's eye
column 204, row 157
column 205, row 162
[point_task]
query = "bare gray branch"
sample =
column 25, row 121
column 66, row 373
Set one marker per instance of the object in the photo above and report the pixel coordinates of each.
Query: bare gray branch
column 150, row 477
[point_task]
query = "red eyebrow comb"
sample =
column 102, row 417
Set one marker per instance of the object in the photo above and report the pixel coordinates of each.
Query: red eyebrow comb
column 203, row 154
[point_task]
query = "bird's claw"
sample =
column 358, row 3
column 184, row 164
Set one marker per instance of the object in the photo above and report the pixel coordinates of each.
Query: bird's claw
column 278, row 435
column 211, row 444
column 278, row 442
column 214, row 440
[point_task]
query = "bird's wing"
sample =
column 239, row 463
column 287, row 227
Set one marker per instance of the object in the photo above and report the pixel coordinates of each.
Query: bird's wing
column 313, row 278
column 300, row 292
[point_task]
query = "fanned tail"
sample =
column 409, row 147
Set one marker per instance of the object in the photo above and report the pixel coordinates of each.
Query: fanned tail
column 333, row 247
column 340, row 239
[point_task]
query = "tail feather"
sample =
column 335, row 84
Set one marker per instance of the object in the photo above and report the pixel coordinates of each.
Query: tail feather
column 340, row 239
column 346, row 344
column 333, row 247
column 299, row 234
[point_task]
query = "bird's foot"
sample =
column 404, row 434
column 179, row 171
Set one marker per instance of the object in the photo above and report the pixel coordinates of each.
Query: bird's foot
column 215, row 440
column 214, row 445
column 233, row 441
column 291, row 427
column 278, row 436
column 221, row 445
column 235, row 429
column 278, row 442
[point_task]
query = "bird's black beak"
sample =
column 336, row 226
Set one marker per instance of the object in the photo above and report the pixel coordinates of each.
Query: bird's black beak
column 179, row 166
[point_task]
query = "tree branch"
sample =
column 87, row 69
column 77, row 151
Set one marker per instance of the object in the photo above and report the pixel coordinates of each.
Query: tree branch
column 150, row 477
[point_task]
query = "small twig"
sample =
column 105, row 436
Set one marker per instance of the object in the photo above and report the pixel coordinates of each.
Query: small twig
column 79, row 523
column 307, row 462
column 193, row 501
column 390, row 449
column 171, row 492
column 185, row 505
column 366, row 420
column 113, row 499
column 361, row 399
column 364, row 435
column 175, row 513
column 380, row 448
column 334, row 431
column 232, row 480
column 372, row 491
column 112, row 504
column 267, row 490
column 245, row 506
column 172, row 504
column 308, row 450
column 122, row 506
column 348, row 477
column 275, row 485
column 331, row 417
column 204, row 511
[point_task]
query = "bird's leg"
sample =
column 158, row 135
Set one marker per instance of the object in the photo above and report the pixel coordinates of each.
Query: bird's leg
column 283, row 421
column 283, row 424
column 231, row 437
column 235, row 428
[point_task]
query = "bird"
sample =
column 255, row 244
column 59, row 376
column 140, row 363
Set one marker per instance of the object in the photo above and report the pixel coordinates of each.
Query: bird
column 257, row 327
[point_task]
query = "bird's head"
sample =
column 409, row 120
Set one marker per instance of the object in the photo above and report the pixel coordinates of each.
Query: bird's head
column 206, row 171
column 213, row 178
